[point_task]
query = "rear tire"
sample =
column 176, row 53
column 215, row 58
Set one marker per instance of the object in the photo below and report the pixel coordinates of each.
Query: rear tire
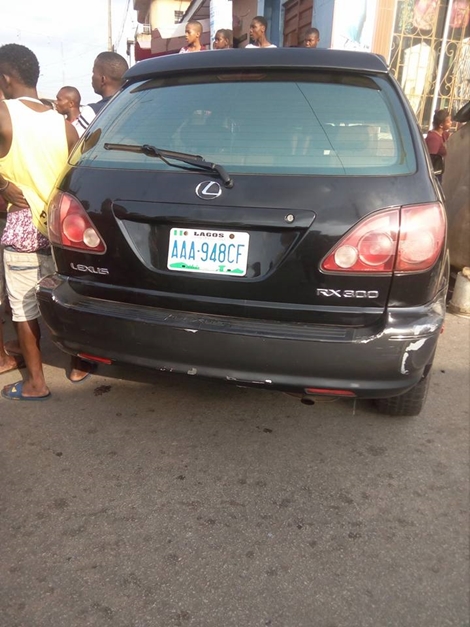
column 408, row 404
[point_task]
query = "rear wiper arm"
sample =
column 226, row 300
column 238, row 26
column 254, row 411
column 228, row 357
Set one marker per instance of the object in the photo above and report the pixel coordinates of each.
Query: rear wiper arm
column 195, row 160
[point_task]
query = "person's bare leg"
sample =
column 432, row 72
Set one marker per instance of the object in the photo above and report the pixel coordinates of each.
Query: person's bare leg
column 29, row 335
column 7, row 362
column 79, row 369
column 12, row 347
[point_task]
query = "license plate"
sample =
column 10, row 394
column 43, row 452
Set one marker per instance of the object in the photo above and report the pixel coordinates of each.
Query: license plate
column 212, row 252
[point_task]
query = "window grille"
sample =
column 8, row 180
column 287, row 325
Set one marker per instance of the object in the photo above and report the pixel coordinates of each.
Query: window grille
column 430, row 55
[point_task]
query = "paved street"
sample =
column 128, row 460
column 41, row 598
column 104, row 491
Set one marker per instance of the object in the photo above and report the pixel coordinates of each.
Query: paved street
column 137, row 500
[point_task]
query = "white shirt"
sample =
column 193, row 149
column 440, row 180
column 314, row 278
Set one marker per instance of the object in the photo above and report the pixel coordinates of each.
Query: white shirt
column 253, row 46
column 84, row 119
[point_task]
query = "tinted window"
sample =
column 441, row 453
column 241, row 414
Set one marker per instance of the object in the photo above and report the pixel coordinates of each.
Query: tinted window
column 282, row 125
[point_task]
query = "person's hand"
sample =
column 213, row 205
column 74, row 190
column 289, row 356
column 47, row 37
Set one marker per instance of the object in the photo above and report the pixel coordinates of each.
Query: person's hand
column 14, row 195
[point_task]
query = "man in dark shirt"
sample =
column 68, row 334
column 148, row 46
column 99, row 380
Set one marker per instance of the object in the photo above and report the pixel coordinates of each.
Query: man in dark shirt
column 106, row 80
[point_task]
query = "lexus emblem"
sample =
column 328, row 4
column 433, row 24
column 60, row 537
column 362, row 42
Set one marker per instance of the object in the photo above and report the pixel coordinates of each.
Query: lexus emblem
column 208, row 190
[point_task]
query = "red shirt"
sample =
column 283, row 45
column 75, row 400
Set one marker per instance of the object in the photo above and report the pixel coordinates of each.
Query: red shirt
column 436, row 143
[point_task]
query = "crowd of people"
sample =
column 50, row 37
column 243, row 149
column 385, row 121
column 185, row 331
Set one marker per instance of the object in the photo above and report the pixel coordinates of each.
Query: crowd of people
column 223, row 38
column 36, row 138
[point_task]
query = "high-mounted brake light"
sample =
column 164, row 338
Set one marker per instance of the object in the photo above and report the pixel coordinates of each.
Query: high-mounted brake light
column 409, row 239
column 70, row 226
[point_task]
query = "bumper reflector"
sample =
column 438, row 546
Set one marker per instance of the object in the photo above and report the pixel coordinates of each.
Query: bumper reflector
column 329, row 392
column 101, row 360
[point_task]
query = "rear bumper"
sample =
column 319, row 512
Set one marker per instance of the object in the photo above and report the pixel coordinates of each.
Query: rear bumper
column 371, row 363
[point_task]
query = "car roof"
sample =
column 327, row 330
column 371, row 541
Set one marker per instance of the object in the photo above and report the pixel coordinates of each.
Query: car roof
column 268, row 58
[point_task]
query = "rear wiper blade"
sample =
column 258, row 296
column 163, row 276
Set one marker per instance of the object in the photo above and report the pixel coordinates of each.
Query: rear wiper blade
column 195, row 160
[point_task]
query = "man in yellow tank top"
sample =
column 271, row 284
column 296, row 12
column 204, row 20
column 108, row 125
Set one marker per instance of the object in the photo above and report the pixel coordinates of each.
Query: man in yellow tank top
column 34, row 144
column 7, row 362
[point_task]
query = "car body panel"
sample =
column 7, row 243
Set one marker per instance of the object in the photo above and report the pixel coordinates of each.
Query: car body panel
column 313, row 201
column 282, row 58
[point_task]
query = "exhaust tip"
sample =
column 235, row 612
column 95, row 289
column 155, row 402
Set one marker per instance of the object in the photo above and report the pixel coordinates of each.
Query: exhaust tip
column 305, row 400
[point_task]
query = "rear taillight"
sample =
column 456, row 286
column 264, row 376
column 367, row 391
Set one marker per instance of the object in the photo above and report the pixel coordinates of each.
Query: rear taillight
column 422, row 236
column 409, row 239
column 69, row 225
column 370, row 247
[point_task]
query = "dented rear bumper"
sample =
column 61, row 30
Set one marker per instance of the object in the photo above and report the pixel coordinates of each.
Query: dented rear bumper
column 377, row 362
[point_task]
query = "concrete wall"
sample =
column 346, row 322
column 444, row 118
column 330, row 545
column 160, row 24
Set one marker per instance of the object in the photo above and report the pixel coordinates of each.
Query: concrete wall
column 162, row 12
column 243, row 12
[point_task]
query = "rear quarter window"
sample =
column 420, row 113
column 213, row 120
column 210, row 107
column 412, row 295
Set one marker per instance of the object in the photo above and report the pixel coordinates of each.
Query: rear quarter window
column 259, row 123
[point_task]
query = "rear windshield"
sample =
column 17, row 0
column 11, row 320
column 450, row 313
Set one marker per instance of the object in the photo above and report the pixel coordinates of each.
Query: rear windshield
column 259, row 123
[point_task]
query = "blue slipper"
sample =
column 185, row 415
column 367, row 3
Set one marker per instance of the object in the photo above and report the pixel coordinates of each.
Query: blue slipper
column 14, row 392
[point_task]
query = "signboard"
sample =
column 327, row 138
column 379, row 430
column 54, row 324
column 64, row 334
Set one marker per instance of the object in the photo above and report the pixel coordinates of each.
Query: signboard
column 353, row 25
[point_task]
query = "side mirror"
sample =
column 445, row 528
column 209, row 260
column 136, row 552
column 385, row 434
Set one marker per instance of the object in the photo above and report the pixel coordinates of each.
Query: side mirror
column 463, row 114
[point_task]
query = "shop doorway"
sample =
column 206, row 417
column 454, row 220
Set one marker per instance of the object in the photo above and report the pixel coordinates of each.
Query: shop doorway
column 297, row 19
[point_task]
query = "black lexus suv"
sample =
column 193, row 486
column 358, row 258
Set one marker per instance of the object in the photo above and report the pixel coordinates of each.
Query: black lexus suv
column 266, row 217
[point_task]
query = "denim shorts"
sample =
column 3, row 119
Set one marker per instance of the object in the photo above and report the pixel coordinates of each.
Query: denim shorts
column 23, row 271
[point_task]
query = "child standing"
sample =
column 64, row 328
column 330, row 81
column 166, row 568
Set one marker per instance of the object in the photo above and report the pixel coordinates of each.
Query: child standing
column 193, row 34
column 223, row 39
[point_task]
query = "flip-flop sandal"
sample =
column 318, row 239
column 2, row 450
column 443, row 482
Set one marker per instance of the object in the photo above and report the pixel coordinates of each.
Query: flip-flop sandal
column 14, row 392
column 12, row 352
